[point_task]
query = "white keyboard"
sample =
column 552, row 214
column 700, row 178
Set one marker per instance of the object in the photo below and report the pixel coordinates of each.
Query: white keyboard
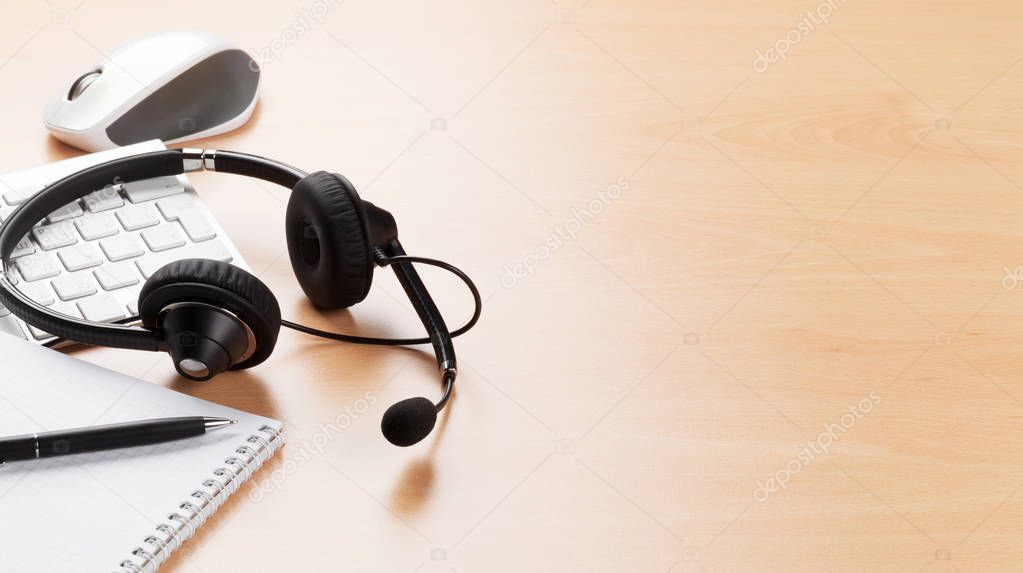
column 90, row 259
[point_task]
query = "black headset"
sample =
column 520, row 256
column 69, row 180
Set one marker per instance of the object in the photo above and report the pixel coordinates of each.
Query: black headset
column 211, row 316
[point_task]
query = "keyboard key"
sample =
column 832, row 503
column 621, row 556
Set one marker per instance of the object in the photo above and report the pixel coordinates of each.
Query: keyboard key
column 133, row 308
column 102, row 308
column 24, row 247
column 150, row 189
column 67, row 309
column 55, row 236
column 69, row 211
column 105, row 199
column 37, row 266
column 163, row 238
column 38, row 292
column 215, row 250
column 113, row 276
column 171, row 206
column 211, row 250
column 16, row 195
column 39, row 334
column 75, row 285
column 94, row 227
column 152, row 263
column 9, row 325
column 122, row 247
column 135, row 217
column 196, row 226
column 81, row 256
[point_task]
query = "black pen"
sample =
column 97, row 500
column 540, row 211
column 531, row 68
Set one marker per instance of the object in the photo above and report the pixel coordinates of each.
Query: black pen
column 108, row 437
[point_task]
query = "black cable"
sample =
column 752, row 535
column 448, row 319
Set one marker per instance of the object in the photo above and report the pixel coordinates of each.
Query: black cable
column 477, row 300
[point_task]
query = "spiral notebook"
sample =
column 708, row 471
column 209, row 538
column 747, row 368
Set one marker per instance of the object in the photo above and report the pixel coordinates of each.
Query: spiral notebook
column 118, row 511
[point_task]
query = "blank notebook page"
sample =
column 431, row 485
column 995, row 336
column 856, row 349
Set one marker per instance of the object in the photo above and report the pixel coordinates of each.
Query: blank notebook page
column 90, row 512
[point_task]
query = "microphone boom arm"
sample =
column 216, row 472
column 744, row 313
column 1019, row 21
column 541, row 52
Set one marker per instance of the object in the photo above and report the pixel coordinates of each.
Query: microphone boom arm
column 429, row 314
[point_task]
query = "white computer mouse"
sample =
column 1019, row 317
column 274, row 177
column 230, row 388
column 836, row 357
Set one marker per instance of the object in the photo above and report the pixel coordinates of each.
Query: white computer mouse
column 173, row 86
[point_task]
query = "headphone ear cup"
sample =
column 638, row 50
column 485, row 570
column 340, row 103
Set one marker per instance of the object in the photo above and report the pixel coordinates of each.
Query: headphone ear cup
column 328, row 241
column 219, row 285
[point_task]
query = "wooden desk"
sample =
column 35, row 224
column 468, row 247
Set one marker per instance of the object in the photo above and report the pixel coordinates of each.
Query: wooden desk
column 735, row 269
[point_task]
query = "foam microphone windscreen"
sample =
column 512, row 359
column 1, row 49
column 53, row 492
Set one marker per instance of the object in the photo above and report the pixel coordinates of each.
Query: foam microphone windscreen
column 409, row 421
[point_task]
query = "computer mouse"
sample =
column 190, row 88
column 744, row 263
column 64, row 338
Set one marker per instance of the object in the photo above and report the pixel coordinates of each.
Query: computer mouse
column 173, row 86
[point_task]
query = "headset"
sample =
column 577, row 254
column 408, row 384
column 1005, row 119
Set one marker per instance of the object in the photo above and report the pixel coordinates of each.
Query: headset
column 211, row 316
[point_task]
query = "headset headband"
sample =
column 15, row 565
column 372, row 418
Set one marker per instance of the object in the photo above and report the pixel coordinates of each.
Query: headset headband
column 163, row 163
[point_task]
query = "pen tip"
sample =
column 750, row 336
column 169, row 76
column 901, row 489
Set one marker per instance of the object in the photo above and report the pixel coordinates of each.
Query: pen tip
column 214, row 423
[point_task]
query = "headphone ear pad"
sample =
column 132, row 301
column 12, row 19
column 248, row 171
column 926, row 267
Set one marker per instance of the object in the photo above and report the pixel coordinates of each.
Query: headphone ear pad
column 328, row 241
column 220, row 285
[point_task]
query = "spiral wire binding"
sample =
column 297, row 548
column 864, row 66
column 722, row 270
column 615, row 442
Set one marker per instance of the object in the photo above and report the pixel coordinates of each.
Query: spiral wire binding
column 203, row 502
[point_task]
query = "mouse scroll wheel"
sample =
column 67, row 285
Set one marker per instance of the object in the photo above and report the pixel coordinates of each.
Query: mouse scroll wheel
column 82, row 83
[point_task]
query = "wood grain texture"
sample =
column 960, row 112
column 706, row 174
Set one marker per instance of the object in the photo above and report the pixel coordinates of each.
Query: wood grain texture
column 723, row 264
